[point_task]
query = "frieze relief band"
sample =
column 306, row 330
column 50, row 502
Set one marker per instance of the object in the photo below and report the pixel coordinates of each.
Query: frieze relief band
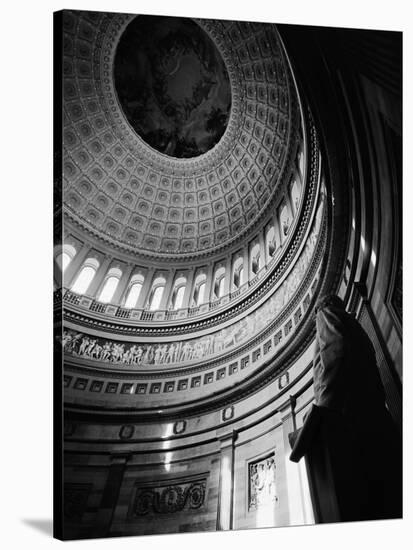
column 167, row 353
column 176, row 326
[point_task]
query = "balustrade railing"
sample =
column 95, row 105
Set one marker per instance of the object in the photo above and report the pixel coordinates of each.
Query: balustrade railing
column 193, row 310
column 215, row 304
column 147, row 315
column 90, row 303
column 98, row 307
column 235, row 294
column 123, row 313
column 71, row 298
column 171, row 314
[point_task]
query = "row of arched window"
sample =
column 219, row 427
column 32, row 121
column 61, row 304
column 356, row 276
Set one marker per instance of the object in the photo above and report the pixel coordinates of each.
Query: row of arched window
column 239, row 276
column 244, row 266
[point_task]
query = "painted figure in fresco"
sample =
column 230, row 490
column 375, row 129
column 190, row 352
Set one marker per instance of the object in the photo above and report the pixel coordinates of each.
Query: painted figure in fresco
column 198, row 349
column 171, row 354
column 76, row 341
column 126, row 357
column 106, row 351
column 71, row 341
column 92, row 344
column 66, row 338
column 185, row 353
column 131, row 354
column 138, row 355
column 83, row 345
column 149, row 354
column 157, row 355
column 229, row 337
column 208, row 344
column 117, row 352
column 96, row 351
column 218, row 342
column 177, row 351
column 146, row 354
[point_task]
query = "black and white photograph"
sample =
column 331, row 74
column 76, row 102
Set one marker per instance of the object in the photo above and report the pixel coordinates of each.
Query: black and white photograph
column 227, row 274
column 206, row 275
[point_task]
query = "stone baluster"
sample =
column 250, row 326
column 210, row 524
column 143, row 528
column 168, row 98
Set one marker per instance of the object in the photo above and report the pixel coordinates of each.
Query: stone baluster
column 226, row 481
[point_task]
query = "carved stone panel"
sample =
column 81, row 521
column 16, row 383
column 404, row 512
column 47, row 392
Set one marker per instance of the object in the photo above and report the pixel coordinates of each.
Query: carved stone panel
column 262, row 485
column 171, row 498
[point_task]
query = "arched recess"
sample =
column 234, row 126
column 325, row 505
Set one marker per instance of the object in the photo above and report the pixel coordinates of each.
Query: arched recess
column 238, row 273
column 85, row 276
column 256, row 259
column 134, row 291
column 285, row 221
column 270, row 240
column 219, row 282
column 295, row 194
column 110, row 284
column 199, row 290
column 65, row 256
column 156, row 293
column 178, row 293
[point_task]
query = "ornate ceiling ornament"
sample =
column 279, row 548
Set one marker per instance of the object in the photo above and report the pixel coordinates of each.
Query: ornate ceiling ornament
column 123, row 191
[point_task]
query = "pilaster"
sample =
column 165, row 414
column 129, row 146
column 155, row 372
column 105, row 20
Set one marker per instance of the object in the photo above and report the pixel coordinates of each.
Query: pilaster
column 226, row 482
column 99, row 277
column 74, row 266
column 299, row 500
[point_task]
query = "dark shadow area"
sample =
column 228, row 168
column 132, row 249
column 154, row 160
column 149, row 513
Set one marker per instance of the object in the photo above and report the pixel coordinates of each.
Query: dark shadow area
column 44, row 526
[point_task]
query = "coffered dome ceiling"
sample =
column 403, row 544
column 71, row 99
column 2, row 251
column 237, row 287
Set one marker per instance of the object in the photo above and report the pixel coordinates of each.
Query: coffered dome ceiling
column 160, row 169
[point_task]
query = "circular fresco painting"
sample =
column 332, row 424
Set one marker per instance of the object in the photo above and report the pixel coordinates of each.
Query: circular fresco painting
column 173, row 85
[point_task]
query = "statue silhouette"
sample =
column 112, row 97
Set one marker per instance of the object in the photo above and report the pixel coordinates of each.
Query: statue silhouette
column 349, row 431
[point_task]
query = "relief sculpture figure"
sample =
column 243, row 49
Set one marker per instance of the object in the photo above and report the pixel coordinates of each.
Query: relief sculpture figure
column 226, row 338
